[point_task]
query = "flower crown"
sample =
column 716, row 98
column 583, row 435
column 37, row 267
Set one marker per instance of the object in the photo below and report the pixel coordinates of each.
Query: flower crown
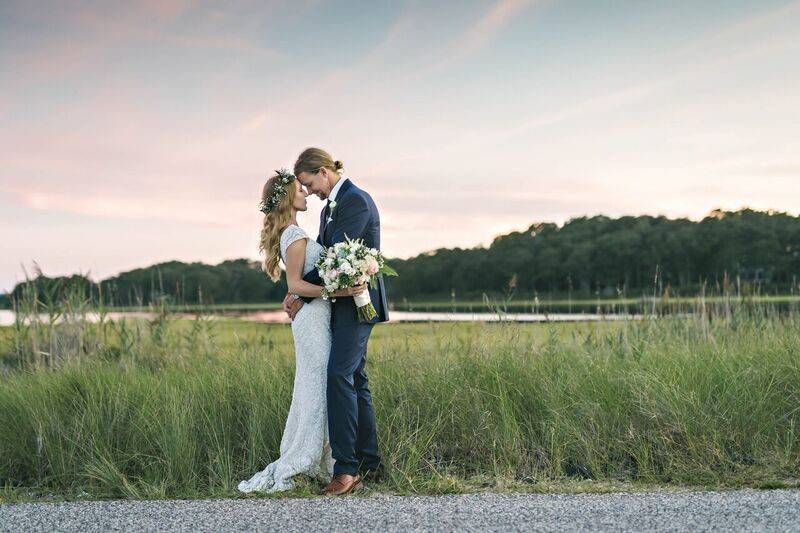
column 284, row 178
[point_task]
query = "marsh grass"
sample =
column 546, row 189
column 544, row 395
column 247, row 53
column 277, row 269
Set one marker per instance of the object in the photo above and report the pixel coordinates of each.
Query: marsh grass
column 187, row 408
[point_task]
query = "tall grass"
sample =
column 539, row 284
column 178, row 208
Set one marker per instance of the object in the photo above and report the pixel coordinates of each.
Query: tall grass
column 187, row 408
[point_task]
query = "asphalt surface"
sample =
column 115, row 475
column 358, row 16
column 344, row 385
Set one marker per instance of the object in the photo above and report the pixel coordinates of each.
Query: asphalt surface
column 742, row 510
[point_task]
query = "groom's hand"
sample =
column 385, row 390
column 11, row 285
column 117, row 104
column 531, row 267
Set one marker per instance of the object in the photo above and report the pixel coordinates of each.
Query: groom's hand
column 292, row 305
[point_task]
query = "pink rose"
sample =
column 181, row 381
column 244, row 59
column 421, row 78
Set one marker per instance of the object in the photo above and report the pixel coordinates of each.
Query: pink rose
column 371, row 266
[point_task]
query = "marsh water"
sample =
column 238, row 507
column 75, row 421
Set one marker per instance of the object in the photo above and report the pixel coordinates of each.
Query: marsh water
column 7, row 317
column 582, row 311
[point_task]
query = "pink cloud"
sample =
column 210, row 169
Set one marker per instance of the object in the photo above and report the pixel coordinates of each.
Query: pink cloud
column 144, row 207
column 166, row 9
column 392, row 51
column 237, row 45
column 476, row 37
column 491, row 22
column 84, row 36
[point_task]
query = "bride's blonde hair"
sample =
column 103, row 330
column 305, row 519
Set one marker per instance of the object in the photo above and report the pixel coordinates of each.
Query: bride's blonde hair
column 274, row 223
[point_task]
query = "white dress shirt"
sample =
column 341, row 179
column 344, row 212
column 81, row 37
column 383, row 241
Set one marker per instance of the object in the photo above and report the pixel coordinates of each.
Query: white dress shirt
column 335, row 190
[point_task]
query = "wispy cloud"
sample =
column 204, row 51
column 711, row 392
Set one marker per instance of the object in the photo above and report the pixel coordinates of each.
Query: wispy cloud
column 82, row 35
column 236, row 45
column 758, row 25
column 336, row 79
column 387, row 67
column 740, row 41
column 174, row 209
column 491, row 23
column 476, row 37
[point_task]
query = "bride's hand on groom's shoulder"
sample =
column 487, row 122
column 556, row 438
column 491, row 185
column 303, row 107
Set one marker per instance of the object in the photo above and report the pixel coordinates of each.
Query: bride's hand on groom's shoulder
column 349, row 291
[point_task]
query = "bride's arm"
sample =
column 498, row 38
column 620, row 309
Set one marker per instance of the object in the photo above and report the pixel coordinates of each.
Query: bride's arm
column 295, row 259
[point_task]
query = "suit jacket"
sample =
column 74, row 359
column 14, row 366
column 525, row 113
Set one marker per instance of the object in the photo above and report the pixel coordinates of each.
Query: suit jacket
column 355, row 217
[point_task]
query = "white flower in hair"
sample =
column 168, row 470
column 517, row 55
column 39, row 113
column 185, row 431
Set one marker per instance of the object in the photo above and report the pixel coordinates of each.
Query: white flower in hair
column 279, row 191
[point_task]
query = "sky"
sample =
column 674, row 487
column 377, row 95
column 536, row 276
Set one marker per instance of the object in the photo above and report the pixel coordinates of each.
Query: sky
column 133, row 133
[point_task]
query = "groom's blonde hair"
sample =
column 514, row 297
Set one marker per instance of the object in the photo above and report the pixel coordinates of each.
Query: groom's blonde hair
column 313, row 159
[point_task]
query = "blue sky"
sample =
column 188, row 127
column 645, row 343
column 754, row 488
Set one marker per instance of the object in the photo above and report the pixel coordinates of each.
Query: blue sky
column 140, row 132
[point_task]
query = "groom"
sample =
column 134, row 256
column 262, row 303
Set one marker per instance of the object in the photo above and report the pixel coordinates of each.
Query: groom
column 349, row 213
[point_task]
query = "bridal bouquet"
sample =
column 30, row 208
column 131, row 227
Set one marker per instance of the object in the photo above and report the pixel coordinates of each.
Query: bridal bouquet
column 351, row 263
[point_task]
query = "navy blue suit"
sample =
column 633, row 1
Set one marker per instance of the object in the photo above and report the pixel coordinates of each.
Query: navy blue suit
column 351, row 417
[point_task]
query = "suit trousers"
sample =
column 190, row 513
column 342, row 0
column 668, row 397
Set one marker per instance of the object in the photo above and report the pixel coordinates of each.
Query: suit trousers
column 351, row 417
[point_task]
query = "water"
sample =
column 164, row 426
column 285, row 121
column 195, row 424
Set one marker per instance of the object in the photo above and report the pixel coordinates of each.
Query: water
column 271, row 317
column 603, row 307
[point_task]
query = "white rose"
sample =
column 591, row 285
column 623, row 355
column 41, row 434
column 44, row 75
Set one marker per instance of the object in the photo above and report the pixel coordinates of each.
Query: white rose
column 345, row 267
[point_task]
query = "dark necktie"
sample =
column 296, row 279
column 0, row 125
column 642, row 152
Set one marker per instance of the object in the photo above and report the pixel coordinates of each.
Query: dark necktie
column 325, row 214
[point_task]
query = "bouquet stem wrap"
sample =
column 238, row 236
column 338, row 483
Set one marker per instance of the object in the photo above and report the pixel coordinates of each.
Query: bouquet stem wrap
column 364, row 308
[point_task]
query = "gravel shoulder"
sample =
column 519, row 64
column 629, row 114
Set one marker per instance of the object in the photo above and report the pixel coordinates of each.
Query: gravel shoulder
column 751, row 510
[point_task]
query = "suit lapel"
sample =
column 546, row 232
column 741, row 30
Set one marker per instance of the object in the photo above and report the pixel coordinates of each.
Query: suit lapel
column 326, row 226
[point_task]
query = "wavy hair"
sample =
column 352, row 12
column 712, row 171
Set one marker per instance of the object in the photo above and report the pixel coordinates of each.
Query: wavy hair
column 274, row 223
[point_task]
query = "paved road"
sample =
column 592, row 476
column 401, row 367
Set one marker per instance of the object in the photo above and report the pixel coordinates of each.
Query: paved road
column 750, row 510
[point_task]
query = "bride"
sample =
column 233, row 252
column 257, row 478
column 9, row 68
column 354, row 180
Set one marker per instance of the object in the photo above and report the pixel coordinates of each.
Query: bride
column 305, row 448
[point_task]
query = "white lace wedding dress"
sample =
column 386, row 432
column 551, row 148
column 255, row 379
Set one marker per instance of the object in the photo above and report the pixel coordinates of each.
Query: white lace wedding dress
column 305, row 448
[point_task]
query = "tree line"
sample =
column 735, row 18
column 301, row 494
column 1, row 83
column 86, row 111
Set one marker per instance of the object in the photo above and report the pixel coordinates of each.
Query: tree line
column 172, row 282
column 606, row 256
column 595, row 255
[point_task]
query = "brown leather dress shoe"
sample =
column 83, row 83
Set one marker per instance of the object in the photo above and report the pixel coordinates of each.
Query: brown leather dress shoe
column 342, row 484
